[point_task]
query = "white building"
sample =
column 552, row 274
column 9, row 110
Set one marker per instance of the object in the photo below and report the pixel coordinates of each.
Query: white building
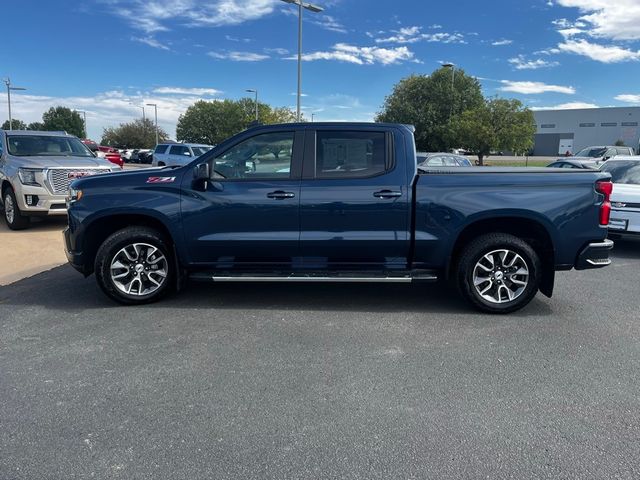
column 559, row 131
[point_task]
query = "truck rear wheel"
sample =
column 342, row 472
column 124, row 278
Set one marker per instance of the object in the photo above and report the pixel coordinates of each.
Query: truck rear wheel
column 135, row 266
column 498, row 273
column 12, row 214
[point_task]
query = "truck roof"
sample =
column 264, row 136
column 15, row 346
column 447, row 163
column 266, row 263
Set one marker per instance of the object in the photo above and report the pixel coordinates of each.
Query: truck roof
column 335, row 124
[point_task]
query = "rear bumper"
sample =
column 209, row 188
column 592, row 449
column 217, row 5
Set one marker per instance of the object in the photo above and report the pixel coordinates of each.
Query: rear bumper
column 594, row 255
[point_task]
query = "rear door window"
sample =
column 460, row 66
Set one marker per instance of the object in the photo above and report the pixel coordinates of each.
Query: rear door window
column 179, row 150
column 350, row 154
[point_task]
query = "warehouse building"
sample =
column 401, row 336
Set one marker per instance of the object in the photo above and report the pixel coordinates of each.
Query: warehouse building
column 559, row 131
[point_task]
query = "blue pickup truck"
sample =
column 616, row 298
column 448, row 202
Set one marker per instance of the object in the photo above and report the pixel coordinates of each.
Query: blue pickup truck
column 339, row 202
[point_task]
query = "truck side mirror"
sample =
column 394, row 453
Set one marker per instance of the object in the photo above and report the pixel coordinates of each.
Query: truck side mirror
column 201, row 175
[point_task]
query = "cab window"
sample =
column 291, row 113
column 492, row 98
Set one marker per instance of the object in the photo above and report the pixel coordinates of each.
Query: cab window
column 265, row 156
column 344, row 154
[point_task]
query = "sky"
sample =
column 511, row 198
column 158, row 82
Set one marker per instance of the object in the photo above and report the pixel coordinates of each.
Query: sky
column 109, row 57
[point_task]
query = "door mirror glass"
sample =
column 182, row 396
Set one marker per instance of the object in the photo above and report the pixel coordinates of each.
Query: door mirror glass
column 201, row 172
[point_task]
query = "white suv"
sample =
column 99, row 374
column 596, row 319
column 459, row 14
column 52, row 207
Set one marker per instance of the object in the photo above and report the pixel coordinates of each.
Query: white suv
column 170, row 154
column 36, row 169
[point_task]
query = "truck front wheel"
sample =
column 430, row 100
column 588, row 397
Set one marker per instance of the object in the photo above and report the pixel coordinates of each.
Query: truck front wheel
column 134, row 266
column 12, row 214
column 498, row 273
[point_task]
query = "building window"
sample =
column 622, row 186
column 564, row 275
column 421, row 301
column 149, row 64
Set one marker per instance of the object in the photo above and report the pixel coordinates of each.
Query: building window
column 611, row 124
column 587, row 124
column 629, row 124
column 548, row 125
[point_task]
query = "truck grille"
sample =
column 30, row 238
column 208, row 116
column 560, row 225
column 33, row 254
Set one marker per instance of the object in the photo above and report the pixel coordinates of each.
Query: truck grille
column 61, row 178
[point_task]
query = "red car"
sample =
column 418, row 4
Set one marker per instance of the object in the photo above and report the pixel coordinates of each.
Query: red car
column 108, row 153
column 112, row 155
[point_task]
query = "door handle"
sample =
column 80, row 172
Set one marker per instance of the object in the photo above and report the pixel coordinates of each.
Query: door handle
column 387, row 194
column 280, row 195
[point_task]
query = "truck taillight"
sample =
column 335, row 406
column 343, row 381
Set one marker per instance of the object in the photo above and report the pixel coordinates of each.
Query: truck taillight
column 605, row 187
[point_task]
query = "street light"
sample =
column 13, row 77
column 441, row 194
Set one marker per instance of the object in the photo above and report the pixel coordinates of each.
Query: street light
column 313, row 116
column 452, row 66
column 139, row 106
column 250, row 90
column 7, row 82
column 84, row 115
column 155, row 108
column 312, row 8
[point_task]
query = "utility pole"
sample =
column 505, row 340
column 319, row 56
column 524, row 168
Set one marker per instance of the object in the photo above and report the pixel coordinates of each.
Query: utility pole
column 7, row 82
column 155, row 108
column 251, row 90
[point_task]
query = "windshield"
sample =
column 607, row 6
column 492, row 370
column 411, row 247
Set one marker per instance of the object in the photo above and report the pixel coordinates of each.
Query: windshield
column 197, row 151
column 45, row 145
column 591, row 152
column 623, row 171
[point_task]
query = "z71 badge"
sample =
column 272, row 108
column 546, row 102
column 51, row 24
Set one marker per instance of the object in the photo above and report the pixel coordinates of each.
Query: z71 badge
column 161, row 179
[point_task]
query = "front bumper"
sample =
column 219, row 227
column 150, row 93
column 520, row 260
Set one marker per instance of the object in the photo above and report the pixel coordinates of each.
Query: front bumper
column 43, row 202
column 595, row 255
column 76, row 259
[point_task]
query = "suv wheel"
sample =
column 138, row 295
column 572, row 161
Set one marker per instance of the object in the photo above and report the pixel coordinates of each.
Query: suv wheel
column 12, row 214
column 498, row 273
column 135, row 266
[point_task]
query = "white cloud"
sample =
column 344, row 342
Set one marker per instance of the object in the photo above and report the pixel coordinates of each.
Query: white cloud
column 239, row 56
column 521, row 63
column 628, row 98
column 569, row 106
column 329, row 23
column 528, row 88
column 152, row 42
column 186, row 91
column 106, row 109
column 600, row 53
column 610, row 19
column 361, row 55
column 152, row 16
column 499, row 43
column 277, row 51
column 414, row 34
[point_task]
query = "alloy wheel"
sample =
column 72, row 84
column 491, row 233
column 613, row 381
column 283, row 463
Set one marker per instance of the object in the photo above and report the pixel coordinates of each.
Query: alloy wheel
column 501, row 276
column 139, row 269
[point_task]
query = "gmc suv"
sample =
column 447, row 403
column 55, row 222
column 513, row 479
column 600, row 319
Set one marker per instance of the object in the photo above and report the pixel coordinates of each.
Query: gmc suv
column 36, row 169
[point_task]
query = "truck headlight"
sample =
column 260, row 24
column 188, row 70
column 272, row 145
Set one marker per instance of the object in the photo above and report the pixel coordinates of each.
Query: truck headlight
column 73, row 195
column 28, row 176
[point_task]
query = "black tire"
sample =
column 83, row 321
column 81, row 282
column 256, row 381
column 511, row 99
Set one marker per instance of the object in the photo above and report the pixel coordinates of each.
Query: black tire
column 16, row 221
column 113, row 245
column 161, row 164
column 472, row 254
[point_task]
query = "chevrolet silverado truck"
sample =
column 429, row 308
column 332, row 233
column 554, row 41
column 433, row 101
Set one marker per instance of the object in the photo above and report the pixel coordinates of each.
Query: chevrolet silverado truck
column 337, row 202
column 36, row 169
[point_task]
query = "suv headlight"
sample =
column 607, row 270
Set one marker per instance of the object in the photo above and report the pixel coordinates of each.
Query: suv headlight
column 28, row 176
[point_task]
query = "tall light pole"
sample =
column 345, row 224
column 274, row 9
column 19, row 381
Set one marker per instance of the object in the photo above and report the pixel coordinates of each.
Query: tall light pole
column 7, row 82
column 312, row 8
column 155, row 108
column 452, row 66
column 139, row 106
column 84, row 116
column 251, row 90
column 313, row 116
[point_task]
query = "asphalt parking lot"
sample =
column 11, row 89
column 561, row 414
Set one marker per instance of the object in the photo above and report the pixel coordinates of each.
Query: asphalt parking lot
column 321, row 381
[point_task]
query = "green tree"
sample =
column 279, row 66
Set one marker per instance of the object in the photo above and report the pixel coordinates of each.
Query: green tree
column 15, row 124
column 35, row 126
column 430, row 102
column 137, row 134
column 212, row 122
column 497, row 124
column 63, row 119
column 619, row 143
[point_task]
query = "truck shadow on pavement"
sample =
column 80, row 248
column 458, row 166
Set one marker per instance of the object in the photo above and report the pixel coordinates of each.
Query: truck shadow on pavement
column 64, row 289
column 626, row 248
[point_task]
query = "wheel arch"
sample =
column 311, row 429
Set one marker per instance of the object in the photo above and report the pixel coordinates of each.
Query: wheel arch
column 97, row 231
column 531, row 230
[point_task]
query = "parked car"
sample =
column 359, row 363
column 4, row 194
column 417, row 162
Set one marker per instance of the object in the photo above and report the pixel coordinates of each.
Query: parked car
column 177, row 153
column 145, row 156
column 36, row 169
column 352, row 206
column 442, row 159
column 625, row 198
column 599, row 153
column 570, row 163
column 112, row 154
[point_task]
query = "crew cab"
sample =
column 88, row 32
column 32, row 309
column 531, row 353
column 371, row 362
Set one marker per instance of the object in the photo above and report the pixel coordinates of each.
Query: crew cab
column 344, row 202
